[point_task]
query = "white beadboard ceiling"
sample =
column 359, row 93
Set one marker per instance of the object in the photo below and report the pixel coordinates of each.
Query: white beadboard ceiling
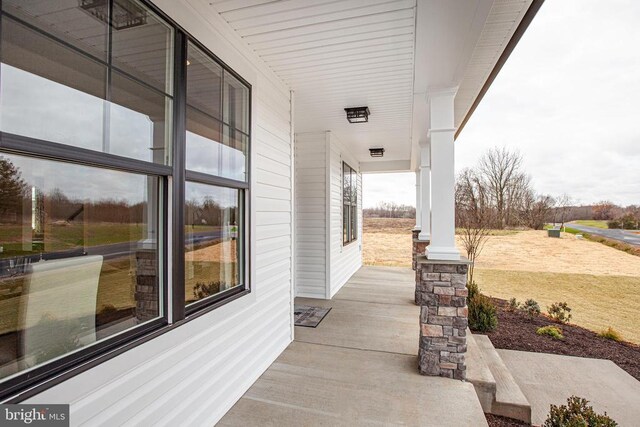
column 338, row 54
column 348, row 53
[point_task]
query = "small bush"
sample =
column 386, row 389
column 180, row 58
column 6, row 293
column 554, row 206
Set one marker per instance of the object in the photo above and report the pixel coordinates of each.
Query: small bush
column 473, row 289
column 551, row 331
column 202, row 290
column 560, row 312
column 614, row 223
column 513, row 304
column 576, row 413
column 531, row 308
column 482, row 314
column 610, row 334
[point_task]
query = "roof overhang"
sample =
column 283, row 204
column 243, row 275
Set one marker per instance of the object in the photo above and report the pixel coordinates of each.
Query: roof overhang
column 383, row 54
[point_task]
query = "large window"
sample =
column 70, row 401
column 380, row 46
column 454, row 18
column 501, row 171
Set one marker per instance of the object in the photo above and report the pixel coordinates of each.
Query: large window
column 349, row 204
column 112, row 122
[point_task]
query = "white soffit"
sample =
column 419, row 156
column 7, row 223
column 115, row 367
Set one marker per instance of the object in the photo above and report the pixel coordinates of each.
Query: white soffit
column 337, row 54
column 502, row 22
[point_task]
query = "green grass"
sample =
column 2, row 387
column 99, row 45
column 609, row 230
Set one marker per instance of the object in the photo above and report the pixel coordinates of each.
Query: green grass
column 594, row 300
column 592, row 223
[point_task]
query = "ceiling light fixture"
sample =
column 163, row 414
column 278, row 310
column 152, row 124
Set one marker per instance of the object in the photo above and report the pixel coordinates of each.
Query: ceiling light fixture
column 357, row 114
column 376, row 152
column 126, row 14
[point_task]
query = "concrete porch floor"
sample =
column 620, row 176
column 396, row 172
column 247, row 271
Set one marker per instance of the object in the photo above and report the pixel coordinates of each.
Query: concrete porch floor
column 358, row 367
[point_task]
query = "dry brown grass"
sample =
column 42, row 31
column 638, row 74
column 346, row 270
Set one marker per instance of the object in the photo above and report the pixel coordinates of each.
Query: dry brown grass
column 601, row 284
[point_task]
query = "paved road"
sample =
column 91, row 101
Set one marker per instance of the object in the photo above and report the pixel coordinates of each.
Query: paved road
column 621, row 235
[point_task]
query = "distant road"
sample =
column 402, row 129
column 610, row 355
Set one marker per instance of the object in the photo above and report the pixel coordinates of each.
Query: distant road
column 117, row 250
column 625, row 236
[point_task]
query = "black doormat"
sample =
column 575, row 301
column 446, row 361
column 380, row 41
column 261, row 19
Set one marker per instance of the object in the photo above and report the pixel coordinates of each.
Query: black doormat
column 310, row 317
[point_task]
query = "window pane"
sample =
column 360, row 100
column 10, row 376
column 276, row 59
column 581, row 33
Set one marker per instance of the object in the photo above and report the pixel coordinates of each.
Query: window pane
column 51, row 92
column 345, row 223
column 141, row 44
column 212, row 233
column 212, row 148
column 139, row 121
column 354, row 222
column 346, row 184
column 236, row 103
column 67, row 20
column 78, row 257
column 204, row 83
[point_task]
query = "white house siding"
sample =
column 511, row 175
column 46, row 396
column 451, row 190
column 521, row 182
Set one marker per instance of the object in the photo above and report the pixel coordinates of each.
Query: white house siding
column 311, row 214
column 193, row 374
column 344, row 260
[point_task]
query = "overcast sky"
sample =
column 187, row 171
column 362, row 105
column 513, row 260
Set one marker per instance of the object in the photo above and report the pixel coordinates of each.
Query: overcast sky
column 568, row 99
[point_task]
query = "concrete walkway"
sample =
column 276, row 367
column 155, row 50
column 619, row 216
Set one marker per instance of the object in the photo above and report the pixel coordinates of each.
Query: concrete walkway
column 547, row 379
column 358, row 367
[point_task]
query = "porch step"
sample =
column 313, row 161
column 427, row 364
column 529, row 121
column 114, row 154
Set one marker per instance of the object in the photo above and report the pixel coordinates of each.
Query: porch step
column 479, row 374
column 509, row 401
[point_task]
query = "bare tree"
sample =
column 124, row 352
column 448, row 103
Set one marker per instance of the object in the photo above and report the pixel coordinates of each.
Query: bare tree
column 506, row 183
column 563, row 206
column 536, row 209
column 604, row 210
column 473, row 214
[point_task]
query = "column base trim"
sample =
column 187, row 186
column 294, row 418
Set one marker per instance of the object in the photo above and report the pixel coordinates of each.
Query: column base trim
column 442, row 253
column 424, row 236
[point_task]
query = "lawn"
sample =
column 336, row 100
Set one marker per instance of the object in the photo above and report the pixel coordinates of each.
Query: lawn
column 591, row 223
column 601, row 284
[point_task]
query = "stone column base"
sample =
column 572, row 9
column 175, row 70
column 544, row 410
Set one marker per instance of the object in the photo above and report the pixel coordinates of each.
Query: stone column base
column 146, row 293
column 442, row 295
column 419, row 247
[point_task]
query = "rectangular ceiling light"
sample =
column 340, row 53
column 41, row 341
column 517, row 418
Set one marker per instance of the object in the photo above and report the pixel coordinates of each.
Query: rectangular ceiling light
column 126, row 14
column 376, row 152
column 358, row 114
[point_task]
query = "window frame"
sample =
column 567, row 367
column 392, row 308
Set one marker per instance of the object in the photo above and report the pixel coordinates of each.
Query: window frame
column 347, row 228
column 170, row 217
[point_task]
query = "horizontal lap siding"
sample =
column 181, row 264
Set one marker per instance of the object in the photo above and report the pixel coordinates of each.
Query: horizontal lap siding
column 193, row 374
column 345, row 260
column 310, row 215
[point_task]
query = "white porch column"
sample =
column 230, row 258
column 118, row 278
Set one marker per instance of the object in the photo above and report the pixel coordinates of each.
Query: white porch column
column 418, row 202
column 441, row 135
column 425, row 192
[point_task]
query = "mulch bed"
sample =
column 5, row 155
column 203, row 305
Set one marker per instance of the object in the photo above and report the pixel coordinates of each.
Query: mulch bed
column 516, row 331
column 498, row 421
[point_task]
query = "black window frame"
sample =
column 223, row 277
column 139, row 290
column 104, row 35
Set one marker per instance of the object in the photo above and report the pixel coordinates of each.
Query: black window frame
column 171, row 222
column 349, row 204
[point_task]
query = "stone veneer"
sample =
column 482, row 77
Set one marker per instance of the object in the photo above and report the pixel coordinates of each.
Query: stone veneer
column 442, row 295
column 419, row 247
column 146, row 294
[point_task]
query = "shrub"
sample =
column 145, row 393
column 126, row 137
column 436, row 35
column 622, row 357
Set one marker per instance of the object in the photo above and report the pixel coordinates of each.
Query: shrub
column 610, row 334
column 473, row 289
column 628, row 222
column 614, row 223
column 551, row 331
column 202, row 290
column 560, row 312
column 482, row 314
column 513, row 304
column 576, row 413
column 531, row 308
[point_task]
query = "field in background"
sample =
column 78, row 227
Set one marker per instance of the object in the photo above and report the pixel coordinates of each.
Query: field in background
column 600, row 284
column 592, row 223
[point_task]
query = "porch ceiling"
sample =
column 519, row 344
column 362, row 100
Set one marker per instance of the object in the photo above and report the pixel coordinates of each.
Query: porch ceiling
column 338, row 54
column 385, row 54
